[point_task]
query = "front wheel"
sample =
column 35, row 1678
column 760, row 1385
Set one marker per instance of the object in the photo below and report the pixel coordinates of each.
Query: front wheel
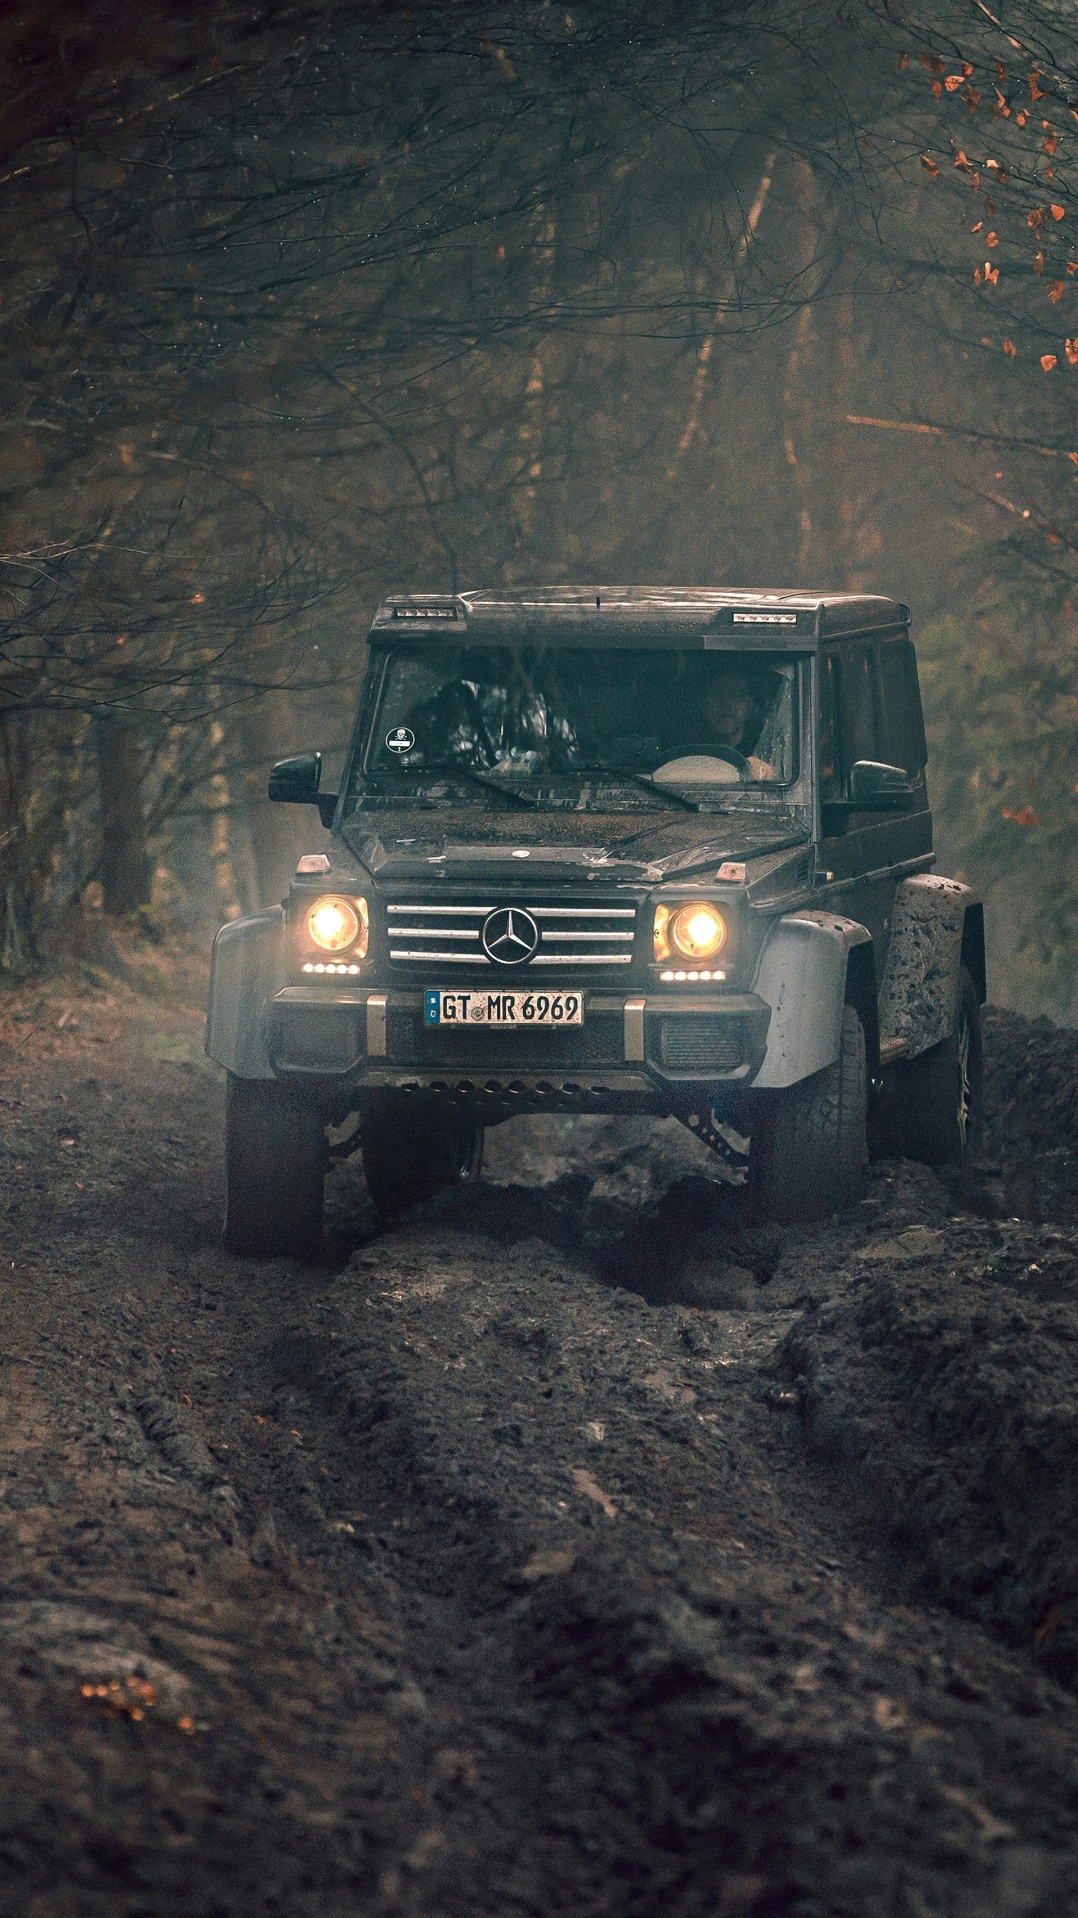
column 275, row 1164
column 409, row 1156
column 809, row 1145
column 931, row 1106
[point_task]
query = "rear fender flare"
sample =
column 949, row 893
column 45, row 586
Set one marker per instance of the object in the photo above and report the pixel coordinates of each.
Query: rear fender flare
column 937, row 928
column 802, row 975
column 247, row 968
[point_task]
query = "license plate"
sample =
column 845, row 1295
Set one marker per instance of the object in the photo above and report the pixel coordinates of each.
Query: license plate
column 511, row 1010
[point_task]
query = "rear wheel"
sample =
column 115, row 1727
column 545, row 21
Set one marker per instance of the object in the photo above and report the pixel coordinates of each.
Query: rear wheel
column 275, row 1164
column 809, row 1142
column 931, row 1106
column 409, row 1156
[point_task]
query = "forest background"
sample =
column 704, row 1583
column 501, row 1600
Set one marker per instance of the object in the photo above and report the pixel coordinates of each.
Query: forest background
column 304, row 304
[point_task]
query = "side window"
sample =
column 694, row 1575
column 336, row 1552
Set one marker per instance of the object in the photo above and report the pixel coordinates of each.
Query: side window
column 860, row 730
column 830, row 726
column 902, row 732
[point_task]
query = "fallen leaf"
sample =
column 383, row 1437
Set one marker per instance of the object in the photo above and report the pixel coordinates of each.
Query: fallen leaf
column 991, row 239
column 929, row 165
column 1024, row 816
column 1049, row 1625
column 953, row 82
column 1010, row 349
column 586, row 1485
column 1048, row 361
column 1055, row 291
column 548, row 1564
column 1057, row 212
column 1070, row 348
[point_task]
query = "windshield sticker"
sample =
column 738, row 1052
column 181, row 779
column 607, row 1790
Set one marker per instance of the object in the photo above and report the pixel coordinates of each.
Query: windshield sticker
column 401, row 739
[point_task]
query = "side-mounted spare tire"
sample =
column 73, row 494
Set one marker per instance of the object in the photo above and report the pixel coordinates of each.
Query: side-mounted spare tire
column 809, row 1146
column 410, row 1155
column 275, row 1167
column 931, row 1106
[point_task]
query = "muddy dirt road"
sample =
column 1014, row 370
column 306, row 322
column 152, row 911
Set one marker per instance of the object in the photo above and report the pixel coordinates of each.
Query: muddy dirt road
column 561, row 1551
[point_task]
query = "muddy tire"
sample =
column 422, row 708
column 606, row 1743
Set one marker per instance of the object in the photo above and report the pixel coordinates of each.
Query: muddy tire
column 809, row 1145
column 931, row 1106
column 409, row 1156
column 275, row 1164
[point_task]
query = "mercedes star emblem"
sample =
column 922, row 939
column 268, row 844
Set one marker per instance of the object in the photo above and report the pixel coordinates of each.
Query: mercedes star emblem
column 510, row 936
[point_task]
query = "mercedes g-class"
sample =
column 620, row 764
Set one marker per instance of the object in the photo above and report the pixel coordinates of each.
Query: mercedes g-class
column 608, row 850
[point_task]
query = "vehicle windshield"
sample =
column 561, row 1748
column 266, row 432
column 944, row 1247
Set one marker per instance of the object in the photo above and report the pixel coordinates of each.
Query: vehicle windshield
column 693, row 719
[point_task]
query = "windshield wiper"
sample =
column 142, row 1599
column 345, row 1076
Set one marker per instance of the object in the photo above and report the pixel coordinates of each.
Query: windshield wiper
column 648, row 785
column 480, row 779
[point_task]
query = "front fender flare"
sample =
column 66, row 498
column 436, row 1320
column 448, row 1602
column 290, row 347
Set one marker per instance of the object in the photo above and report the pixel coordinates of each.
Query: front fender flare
column 247, row 968
column 802, row 976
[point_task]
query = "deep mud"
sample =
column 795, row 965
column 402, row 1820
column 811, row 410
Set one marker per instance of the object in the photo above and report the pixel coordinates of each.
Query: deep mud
column 567, row 1549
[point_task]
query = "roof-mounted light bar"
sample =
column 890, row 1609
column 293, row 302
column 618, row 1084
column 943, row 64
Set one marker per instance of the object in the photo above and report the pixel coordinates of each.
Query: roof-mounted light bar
column 426, row 612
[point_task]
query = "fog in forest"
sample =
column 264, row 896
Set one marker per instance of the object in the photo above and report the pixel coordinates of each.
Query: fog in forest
column 304, row 305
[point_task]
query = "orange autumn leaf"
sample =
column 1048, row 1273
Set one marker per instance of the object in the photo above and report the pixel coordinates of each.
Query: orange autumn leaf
column 1021, row 117
column 929, row 165
column 991, row 274
column 1055, row 291
column 1038, row 263
column 977, row 228
column 953, row 82
column 991, row 239
column 1035, row 217
column 971, row 98
column 1070, row 348
column 1051, row 144
column 1024, row 816
column 1010, row 349
column 960, row 158
column 1037, row 92
column 903, row 62
column 937, row 89
column 1048, row 361
column 967, row 70
column 1057, row 212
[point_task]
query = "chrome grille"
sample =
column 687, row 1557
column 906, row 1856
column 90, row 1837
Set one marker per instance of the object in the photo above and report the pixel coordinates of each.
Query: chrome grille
column 451, row 935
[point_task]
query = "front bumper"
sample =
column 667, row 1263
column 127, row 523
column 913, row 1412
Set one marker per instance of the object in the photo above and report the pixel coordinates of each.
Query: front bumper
column 656, row 1047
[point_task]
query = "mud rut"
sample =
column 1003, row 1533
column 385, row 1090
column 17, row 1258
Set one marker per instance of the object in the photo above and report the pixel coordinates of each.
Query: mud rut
column 562, row 1550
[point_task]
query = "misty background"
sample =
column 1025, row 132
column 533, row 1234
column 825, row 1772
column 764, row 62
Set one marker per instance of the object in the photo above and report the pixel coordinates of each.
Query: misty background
column 307, row 304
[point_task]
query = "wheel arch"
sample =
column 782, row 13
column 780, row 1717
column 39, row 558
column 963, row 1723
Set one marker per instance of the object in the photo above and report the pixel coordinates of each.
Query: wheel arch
column 937, row 929
column 812, row 965
column 246, row 969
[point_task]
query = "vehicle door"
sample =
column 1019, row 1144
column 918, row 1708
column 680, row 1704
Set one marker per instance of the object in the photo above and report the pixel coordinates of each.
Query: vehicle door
column 870, row 709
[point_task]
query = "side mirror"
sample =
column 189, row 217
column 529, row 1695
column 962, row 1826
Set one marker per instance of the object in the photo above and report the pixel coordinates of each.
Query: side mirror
column 296, row 781
column 879, row 788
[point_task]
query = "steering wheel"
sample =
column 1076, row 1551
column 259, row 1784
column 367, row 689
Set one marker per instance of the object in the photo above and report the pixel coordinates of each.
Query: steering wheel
column 728, row 755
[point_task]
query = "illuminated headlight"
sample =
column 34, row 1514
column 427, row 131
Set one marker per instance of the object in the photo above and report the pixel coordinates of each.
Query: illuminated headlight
column 693, row 931
column 338, row 925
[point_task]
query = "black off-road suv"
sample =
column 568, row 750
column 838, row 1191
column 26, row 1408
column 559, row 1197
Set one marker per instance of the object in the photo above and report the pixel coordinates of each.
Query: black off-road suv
column 610, row 850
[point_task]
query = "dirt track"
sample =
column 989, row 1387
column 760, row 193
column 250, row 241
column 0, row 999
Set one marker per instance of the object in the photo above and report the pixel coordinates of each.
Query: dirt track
column 475, row 1571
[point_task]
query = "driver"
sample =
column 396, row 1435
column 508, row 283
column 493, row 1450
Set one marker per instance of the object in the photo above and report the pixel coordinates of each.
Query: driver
column 732, row 711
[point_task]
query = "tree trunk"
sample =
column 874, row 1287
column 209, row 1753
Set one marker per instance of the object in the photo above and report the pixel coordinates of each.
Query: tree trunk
column 125, row 870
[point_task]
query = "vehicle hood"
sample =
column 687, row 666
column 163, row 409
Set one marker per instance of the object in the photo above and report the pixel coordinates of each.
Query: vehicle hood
column 565, row 847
